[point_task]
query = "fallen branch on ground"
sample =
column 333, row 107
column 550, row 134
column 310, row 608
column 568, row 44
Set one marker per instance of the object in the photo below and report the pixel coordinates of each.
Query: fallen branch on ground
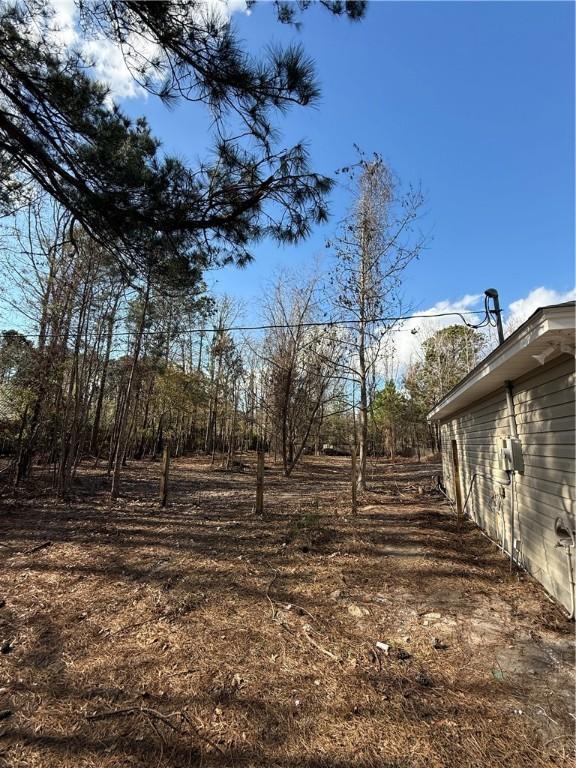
column 127, row 711
column 200, row 734
column 323, row 650
column 151, row 714
column 272, row 606
column 37, row 548
column 129, row 626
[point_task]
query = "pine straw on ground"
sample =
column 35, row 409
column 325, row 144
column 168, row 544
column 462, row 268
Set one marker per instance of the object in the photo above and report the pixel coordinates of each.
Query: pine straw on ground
column 203, row 635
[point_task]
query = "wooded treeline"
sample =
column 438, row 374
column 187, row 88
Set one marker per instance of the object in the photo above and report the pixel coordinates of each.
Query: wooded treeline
column 117, row 345
column 111, row 366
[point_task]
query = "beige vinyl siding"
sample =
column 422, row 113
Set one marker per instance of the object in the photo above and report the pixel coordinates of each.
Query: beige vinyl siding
column 546, row 490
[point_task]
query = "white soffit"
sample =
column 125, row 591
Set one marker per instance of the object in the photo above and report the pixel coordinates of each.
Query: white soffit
column 548, row 333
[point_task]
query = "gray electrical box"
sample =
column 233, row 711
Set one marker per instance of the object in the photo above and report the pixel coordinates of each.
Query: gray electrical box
column 510, row 457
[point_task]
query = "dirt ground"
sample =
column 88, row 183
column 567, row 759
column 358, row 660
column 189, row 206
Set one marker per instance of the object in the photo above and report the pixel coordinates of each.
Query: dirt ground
column 202, row 635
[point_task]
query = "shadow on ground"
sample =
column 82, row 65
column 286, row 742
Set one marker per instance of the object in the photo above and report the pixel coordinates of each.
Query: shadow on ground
column 202, row 634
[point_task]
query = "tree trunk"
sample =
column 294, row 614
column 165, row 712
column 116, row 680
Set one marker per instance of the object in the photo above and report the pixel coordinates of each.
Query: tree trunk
column 120, row 445
column 94, row 442
column 70, row 432
column 363, row 414
column 287, row 446
column 142, row 447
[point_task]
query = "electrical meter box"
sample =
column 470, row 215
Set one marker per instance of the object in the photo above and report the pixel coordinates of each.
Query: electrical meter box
column 510, row 455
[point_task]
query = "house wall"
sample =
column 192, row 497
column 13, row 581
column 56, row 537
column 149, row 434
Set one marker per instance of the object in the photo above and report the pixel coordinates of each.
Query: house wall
column 546, row 490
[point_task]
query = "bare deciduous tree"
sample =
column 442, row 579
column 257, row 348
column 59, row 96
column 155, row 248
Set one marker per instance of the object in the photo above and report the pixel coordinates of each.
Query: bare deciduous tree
column 300, row 362
column 373, row 247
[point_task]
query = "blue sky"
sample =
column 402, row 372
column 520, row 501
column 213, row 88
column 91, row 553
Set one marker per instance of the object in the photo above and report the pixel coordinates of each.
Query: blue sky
column 474, row 100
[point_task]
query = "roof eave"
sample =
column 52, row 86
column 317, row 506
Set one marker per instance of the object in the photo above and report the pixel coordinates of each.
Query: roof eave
column 545, row 321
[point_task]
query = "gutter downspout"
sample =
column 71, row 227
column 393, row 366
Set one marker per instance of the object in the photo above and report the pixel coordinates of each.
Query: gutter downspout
column 514, row 432
column 492, row 293
column 511, row 409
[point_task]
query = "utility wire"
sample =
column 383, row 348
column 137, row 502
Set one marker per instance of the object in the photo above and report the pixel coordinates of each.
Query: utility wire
column 281, row 326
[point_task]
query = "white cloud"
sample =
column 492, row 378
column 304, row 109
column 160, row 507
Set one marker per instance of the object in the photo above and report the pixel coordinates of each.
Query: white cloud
column 408, row 341
column 109, row 67
column 521, row 309
column 107, row 59
column 62, row 26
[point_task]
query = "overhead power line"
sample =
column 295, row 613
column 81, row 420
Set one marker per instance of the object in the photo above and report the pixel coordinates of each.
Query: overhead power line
column 283, row 326
column 332, row 323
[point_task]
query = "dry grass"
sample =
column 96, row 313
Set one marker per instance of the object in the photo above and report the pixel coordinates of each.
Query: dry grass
column 202, row 635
